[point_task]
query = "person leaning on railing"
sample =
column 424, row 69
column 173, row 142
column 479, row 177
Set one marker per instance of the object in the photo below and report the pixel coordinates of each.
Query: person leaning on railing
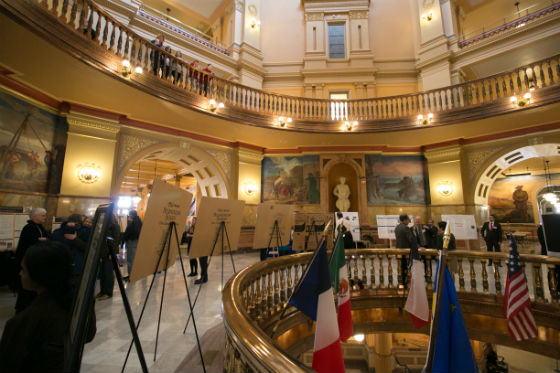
column 154, row 55
column 207, row 78
column 176, row 68
column 193, row 75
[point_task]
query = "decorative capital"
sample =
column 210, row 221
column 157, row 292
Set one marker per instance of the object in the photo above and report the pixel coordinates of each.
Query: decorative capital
column 359, row 14
column 92, row 126
column 315, row 16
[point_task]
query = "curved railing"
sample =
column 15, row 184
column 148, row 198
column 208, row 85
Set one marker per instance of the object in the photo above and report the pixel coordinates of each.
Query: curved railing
column 253, row 299
column 192, row 88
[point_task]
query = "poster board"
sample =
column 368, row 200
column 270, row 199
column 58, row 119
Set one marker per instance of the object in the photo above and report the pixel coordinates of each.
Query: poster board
column 167, row 204
column 267, row 214
column 212, row 212
column 550, row 223
column 463, row 227
column 11, row 226
column 352, row 223
column 386, row 225
column 305, row 227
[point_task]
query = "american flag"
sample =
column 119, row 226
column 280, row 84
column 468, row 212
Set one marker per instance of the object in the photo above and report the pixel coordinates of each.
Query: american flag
column 517, row 305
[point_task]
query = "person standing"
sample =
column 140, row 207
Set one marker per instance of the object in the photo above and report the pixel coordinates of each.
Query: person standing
column 404, row 237
column 430, row 232
column 187, row 239
column 130, row 237
column 111, row 247
column 492, row 233
column 419, row 232
column 75, row 237
column 32, row 233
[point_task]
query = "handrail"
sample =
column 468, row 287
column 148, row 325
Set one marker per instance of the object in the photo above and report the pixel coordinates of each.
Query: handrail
column 518, row 22
column 492, row 94
column 255, row 296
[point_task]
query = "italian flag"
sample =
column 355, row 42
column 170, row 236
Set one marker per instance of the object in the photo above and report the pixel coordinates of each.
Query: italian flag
column 339, row 274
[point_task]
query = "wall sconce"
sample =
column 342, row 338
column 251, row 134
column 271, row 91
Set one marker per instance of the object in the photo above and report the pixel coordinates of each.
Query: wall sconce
column 522, row 101
column 213, row 105
column 254, row 22
column 250, row 189
column 424, row 120
column 284, row 121
column 428, row 16
column 445, row 188
column 126, row 69
column 88, row 173
column 349, row 126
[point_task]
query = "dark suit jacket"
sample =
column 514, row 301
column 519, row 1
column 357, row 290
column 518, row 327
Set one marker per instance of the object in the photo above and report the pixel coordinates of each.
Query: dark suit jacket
column 404, row 236
column 494, row 235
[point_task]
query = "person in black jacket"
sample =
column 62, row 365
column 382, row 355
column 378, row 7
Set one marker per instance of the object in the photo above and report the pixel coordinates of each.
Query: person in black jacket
column 75, row 237
column 130, row 237
column 492, row 233
column 404, row 237
column 106, row 275
column 33, row 340
column 347, row 237
column 32, row 233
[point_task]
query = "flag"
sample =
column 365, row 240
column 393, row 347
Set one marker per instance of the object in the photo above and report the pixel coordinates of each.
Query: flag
column 417, row 301
column 453, row 350
column 517, row 305
column 339, row 274
column 314, row 297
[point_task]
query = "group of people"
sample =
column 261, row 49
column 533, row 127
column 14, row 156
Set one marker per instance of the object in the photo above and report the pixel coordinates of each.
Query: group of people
column 200, row 78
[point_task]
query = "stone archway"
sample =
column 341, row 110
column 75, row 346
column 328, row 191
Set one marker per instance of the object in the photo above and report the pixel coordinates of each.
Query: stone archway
column 210, row 175
column 505, row 161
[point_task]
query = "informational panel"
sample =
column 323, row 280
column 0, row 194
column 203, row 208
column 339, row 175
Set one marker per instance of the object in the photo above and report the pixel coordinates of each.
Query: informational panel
column 167, row 204
column 211, row 213
column 463, row 227
column 386, row 225
column 308, row 231
column 551, row 222
column 352, row 223
column 19, row 223
column 10, row 230
column 267, row 214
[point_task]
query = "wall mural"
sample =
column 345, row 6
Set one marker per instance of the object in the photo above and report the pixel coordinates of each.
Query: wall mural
column 291, row 179
column 512, row 199
column 32, row 146
column 396, row 180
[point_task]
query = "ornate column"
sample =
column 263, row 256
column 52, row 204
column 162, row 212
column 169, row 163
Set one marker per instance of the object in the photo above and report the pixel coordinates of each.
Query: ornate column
column 383, row 359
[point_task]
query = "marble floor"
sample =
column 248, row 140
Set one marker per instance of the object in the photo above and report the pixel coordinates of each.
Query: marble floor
column 106, row 353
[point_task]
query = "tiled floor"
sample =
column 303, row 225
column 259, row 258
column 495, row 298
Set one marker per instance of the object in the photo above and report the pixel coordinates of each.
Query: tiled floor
column 106, row 353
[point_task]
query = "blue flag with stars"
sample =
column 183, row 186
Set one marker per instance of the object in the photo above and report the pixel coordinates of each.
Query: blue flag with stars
column 453, row 350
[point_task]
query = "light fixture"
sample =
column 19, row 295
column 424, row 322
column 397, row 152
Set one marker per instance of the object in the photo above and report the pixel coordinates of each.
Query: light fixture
column 425, row 120
column 521, row 101
column 88, row 172
column 126, row 69
column 250, row 189
column 445, row 188
column 359, row 337
column 254, row 22
column 349, row 126
column 284, row 121
column 213, row 105
column 428, row 16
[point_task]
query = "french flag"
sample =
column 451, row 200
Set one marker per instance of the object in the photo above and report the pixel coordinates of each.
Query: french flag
column 417, row 301
column 314, row 297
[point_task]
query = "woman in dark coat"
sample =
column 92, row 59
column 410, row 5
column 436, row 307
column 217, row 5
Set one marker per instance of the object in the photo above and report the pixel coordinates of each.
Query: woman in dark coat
column 130, row 237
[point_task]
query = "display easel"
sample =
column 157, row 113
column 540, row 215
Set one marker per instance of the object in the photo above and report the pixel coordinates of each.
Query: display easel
column 308, row 235
column 166, row 246
column 274, row 235
column 221, row 233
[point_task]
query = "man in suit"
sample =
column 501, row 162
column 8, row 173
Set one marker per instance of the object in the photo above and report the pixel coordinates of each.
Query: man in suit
column 404, row 238
column 492, row 233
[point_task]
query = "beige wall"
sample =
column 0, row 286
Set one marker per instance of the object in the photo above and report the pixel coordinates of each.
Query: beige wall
column 282, row 31
column 391, row 27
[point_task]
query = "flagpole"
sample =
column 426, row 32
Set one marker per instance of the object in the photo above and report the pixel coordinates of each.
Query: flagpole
column 437, row 300
column 285, row 308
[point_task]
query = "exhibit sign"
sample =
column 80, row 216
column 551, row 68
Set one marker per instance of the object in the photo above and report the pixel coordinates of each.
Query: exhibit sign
column 211, row 214
column 308, row 231
column 352, row 223
column 386, row 225
column 265, row 234
column 167, row 204
column 463, row 227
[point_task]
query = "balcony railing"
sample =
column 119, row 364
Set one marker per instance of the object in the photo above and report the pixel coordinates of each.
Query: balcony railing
column 175, row 80
column 253, row 299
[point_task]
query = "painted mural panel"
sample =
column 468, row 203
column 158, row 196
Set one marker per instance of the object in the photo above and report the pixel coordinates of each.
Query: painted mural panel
column 32, row 145
column 396, row 180
column 513, row 198
column 291, row 179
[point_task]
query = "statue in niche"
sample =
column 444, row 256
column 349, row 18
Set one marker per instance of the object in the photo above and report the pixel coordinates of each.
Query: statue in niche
column 342, row 192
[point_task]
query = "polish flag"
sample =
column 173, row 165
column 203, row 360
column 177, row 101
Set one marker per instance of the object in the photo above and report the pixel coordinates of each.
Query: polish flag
column 314, row 297
column 339, row 275
column 417, row 301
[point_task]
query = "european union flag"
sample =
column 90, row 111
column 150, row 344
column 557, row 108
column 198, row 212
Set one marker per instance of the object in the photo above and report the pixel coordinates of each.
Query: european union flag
column 453, row 351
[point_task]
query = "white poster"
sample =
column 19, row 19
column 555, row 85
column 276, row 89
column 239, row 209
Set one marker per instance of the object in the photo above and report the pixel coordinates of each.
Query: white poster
column 463, row 227
column 267, row 215
column 352, row 223
column 386, row 225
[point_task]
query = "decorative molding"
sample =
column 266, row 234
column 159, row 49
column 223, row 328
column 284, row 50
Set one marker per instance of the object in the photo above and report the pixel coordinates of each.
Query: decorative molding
column 223, row 159
column 314, row 16
column 477, row 159
column 449, row 154
column 92, row 126
column 359, row 14
column 131, row 145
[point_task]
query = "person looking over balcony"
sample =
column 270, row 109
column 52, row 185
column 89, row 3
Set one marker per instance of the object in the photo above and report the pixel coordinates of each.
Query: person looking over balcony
column 155, row 55
column 177, row 68
column 166, row 67
column 193, row 75
column 207, row 78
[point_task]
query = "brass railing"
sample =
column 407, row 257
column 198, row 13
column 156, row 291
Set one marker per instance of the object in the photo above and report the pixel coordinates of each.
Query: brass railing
column 472, row 100
column 253, row 299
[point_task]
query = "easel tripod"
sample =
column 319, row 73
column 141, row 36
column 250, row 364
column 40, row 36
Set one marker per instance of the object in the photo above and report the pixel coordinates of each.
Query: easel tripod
column 274, row 235
column 166, row 247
